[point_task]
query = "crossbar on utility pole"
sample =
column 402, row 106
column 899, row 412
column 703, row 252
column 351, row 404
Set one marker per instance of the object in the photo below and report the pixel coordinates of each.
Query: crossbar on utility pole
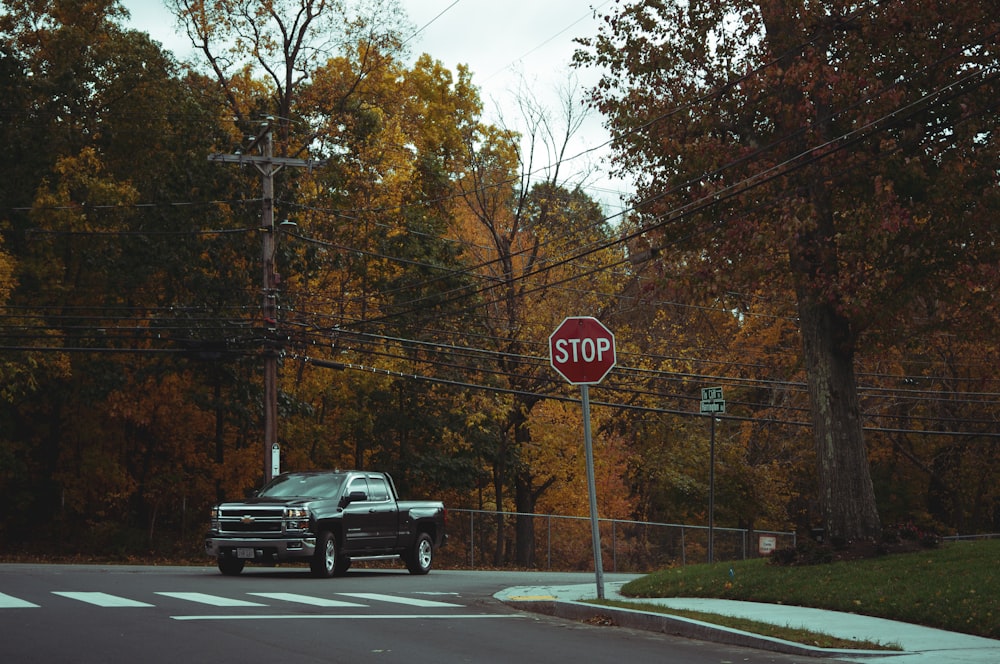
column 268, row 165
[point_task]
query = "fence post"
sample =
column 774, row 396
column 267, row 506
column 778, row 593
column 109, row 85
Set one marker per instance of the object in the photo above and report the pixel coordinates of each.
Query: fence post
column 548, row 540
column 614, row 545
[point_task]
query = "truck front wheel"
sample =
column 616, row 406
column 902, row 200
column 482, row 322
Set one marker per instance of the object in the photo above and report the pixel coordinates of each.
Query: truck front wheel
column 421, row 555
column 230, row 566
column 324, row 561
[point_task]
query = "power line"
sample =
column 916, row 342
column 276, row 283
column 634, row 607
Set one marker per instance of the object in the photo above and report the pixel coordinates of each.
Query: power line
column 617, row 405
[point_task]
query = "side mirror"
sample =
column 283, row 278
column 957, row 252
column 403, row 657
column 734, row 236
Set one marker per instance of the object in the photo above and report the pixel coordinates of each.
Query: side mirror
column 354, row 497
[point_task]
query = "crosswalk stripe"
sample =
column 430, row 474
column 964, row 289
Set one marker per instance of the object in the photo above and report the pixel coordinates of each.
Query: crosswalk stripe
column 212, row 600
column 107, row 600
column 9, row 602
column 409, row 601
column 306, row 599
column 102, row 599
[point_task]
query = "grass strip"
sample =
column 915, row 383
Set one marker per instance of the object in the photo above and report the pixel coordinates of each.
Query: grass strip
column 955, row 587
column 793, row 634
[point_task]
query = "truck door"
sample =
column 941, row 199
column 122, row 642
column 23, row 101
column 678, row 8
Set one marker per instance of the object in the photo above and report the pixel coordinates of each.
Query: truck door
column 383, row 512
column 360, row 529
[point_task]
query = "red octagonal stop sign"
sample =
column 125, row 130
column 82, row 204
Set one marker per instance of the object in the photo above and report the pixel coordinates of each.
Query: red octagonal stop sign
column 582, row 350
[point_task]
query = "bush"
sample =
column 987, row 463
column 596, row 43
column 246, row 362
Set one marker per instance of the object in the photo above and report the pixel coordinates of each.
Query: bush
column 807, row 552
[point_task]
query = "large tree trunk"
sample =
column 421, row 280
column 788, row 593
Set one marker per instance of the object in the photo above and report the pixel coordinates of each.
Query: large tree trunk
column 846, row 494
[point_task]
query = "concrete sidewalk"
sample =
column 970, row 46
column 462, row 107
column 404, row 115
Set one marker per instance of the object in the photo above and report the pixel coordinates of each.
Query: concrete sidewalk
column 923, row 645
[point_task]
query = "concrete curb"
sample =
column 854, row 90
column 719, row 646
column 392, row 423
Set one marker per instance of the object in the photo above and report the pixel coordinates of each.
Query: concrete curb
column 678, row 626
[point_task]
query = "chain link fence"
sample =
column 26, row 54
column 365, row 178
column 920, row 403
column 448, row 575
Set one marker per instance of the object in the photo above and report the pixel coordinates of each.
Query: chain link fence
column 563, row 543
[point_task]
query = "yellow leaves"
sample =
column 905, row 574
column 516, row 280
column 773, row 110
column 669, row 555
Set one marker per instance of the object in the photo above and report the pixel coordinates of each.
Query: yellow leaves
column 557, row 450
column 81, row 181
column 6, row 273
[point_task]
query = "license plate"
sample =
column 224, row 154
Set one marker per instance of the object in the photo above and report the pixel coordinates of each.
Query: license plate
column 244, row 552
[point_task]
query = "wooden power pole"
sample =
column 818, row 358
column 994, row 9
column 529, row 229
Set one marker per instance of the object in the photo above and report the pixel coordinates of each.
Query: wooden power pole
column 268, row 165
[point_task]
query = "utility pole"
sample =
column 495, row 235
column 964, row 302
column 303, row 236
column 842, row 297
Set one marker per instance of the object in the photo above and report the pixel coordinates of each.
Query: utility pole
column 268, row 165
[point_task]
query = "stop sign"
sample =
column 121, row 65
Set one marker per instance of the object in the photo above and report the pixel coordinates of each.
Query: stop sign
column 582, row 350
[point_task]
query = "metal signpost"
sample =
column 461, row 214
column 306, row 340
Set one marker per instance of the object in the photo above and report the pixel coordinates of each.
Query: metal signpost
column 711, row 404
column 582, row 350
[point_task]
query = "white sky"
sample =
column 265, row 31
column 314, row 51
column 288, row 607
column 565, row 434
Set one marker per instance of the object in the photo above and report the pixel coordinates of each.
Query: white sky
column 504, row 43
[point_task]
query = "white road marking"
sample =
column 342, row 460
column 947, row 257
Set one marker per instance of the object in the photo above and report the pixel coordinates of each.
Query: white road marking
column 306, row 599
column 213, row 600
column 107, row 600
column 409, row 601
column 102, row 599
column 9, row 602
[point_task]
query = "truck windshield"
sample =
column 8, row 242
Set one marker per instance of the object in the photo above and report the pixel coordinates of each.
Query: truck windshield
column 304, row 486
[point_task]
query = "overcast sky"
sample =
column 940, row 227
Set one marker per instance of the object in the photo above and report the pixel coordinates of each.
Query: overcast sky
column 503, row 43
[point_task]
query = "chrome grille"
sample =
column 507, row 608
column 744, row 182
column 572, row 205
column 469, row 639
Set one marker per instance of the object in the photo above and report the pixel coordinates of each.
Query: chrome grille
column 257, row 527
column 263, row 520
column 240, row 512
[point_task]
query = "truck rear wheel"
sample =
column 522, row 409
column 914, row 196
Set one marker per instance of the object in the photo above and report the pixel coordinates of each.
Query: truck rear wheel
column 324, row 561
column 231, row 566
column 421, row 555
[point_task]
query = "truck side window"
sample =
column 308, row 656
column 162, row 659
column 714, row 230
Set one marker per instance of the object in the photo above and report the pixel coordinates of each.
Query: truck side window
column 359, row 484
column 378, row 489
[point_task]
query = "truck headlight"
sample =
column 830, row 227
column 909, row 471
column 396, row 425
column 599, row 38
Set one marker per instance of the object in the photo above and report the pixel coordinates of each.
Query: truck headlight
column 214, row 518
column 296, row 518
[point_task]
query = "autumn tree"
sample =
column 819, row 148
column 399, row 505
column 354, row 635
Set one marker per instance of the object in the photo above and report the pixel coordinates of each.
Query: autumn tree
column 537, row 238
column 8, row 369
column 376, row 264
column 834, row 150
column 285, row 42
column 116, row 286
column 930, row 401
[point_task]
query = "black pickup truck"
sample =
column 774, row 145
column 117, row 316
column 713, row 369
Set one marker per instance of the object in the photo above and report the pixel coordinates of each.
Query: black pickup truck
column 328, row 519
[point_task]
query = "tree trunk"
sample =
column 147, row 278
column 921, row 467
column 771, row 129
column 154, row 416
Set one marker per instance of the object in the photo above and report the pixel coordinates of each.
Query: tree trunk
column 846, row 494
column 526, row 494
column 524, row 525
column 499, row 477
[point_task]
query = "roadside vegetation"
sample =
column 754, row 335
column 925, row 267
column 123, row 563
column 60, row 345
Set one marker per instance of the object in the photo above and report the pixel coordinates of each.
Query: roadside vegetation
column 954, row 587
column 821, row 244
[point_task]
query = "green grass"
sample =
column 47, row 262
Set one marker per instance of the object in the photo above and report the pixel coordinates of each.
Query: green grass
column 955, row 587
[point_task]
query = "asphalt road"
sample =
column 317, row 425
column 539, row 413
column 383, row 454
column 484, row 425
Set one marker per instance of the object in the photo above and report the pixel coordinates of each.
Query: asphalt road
column 90, row 614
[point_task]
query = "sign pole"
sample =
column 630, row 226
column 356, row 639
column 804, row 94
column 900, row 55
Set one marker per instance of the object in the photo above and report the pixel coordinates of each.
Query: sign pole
column 712, row 403
column 595, row 528
column 582, row 351
column 711, row 493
